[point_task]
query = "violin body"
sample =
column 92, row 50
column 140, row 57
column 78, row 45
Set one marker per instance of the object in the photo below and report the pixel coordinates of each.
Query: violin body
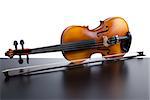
column 110, row 27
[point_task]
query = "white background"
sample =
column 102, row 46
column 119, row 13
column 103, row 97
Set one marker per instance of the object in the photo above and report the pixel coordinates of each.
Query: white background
column 41, row 22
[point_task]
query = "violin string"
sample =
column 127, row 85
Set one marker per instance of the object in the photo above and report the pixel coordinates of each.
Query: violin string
column 81, row 46
column 72, row 49
column 86, row 44
column 79, row 43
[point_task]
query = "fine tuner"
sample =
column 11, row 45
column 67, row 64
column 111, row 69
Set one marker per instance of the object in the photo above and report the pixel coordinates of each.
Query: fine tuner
column 111, row 37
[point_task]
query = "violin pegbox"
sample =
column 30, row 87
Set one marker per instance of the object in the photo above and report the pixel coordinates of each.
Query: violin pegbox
column 10, row 53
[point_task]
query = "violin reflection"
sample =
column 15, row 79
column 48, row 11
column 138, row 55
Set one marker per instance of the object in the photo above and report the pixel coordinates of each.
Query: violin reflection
column 101, row 81
column 113, row 76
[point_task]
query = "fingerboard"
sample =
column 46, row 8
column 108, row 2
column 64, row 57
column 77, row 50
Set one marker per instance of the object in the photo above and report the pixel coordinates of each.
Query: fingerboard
column 73, row 46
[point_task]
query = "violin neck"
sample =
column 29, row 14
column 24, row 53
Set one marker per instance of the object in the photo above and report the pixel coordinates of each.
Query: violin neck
column 73, row 46
column 46, row 49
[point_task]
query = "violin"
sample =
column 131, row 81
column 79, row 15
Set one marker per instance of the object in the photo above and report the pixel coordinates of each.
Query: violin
column 111, row 37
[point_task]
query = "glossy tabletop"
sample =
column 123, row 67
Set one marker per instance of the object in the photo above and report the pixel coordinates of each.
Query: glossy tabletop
column 113, row 80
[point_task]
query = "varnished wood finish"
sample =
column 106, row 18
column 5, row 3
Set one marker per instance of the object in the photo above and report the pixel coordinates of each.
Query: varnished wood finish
column 109, row 27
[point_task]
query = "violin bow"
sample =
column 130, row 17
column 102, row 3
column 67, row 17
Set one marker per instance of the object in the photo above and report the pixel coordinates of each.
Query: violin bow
column 37, row 69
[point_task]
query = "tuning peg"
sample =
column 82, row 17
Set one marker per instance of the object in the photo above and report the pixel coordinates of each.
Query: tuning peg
column 22, row 43
column 15, row 44
column 20, row 60
column 27, row 59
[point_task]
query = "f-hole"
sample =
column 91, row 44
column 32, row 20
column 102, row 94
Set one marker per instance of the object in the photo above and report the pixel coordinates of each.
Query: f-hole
column 103, row 30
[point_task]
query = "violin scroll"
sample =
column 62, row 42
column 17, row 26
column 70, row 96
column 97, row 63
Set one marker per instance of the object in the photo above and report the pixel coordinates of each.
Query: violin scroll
column 10, row 53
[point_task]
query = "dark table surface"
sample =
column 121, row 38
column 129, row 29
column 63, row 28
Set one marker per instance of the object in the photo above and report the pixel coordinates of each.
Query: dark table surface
column 117, row 80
